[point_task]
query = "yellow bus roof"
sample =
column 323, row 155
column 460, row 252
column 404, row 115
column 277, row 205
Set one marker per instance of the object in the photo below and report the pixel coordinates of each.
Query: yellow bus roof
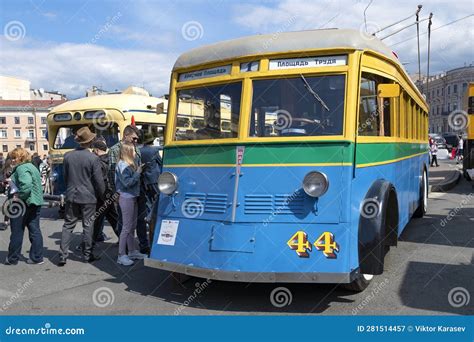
column 121, row 102
column 282, row 42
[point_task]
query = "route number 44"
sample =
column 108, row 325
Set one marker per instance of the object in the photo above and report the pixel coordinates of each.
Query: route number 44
column 325, row 243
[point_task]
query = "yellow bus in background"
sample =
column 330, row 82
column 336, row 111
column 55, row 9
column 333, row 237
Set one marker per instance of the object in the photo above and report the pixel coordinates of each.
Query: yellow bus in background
column 107, row 116
column 468, row 104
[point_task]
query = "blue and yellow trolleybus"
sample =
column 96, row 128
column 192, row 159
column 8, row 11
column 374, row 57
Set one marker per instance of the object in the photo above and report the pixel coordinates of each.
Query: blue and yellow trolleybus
column 321, row 167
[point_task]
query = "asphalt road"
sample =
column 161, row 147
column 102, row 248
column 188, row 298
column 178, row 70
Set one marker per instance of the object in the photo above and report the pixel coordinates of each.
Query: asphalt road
column 431, row 272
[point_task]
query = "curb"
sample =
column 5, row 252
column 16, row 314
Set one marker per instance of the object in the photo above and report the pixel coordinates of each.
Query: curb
column 448, row 184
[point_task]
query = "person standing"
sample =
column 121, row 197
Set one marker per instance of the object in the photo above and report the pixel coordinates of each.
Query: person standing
column 24, row 208
column 45, row 170
column 6, row 173
column 130, row 135
column 105, row 207
column 152, row 164
column 460, row 150
column 434, row 153
column 84, row 184
column 127, row 181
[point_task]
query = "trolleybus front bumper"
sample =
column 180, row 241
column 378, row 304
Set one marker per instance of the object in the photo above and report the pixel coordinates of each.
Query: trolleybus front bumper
column 253, row 277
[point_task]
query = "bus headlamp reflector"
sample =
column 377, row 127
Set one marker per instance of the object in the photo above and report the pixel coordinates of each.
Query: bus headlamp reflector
column 315, row 184
column 167, row 183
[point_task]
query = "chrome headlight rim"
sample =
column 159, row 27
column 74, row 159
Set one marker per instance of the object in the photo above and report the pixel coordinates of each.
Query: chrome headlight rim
column 168, row 188
column 307, row 179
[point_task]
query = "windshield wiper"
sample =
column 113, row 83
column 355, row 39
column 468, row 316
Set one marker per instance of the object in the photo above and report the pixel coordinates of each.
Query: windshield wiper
column 315, row 95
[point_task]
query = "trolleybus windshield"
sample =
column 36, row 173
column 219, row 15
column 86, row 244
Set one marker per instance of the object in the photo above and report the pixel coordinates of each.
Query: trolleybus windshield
column 213, row 112
column 298, row 106
column 65, row 135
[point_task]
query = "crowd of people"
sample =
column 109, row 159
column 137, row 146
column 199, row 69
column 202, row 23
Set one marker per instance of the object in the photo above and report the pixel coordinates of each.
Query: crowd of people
column 118, row 184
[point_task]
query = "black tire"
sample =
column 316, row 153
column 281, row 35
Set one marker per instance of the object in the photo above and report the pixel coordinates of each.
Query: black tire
column 360, row 283
column 423, row 201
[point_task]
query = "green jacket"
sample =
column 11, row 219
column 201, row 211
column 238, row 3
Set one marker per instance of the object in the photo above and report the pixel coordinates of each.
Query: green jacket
column 28, row 180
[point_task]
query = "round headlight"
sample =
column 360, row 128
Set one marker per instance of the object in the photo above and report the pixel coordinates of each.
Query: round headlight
column 315, row 184
column 167, row 183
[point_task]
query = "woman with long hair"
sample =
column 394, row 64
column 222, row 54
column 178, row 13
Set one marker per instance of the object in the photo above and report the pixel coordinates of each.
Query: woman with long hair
column 24, row 208
column 127, row 182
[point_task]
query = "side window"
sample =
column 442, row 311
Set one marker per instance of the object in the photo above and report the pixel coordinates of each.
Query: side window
column 374, row 112
column 408, row 114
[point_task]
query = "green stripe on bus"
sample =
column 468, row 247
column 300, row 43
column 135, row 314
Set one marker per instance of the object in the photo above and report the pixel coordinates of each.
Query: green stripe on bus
column 380, row 152
column 297, row 153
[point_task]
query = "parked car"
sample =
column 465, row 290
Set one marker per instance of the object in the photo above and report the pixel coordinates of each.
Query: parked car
column 452, row 140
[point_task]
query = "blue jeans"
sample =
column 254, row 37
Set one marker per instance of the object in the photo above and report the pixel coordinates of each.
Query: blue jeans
column 31, row 220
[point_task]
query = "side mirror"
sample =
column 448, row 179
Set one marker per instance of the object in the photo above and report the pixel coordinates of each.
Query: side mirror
column 160, row 108
column 388, row 90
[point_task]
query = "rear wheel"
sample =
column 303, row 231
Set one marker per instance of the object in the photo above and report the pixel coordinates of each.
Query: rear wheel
column 423, row 201
column 360, row 283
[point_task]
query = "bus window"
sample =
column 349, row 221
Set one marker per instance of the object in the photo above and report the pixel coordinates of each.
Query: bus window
column 214, row 105
column 374, row 112
column 65, row 135
column 299, row 106
column 154, row 130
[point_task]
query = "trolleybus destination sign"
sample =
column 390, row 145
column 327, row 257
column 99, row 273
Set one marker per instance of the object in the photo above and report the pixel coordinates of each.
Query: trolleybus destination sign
column 204, row 73
column 310, row 62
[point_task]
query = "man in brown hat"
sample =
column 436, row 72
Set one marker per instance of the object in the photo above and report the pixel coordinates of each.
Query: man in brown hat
column 84, row 184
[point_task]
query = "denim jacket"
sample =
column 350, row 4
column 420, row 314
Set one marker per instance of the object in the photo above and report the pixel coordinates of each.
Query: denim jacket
column 126, row 179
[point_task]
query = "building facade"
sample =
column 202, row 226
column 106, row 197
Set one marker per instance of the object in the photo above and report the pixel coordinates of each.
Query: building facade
column 23, row 114
column 445, row 93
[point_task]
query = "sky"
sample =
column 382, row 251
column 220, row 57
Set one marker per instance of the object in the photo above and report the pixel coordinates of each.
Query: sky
column 69, row 46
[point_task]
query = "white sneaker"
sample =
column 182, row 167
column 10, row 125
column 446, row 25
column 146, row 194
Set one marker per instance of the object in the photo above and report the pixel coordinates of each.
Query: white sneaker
column 124, row 260
column 136, row 255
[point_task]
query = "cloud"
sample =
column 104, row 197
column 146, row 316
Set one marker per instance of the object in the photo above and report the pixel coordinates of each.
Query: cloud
column 72, row 68
column 450, row 46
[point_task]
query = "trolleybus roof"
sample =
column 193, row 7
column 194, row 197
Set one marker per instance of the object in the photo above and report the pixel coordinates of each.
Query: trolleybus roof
column 118, row 101
column 282, row 42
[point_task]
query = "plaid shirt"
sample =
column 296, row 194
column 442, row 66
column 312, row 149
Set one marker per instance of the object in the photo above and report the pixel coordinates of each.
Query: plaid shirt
column 114, row 156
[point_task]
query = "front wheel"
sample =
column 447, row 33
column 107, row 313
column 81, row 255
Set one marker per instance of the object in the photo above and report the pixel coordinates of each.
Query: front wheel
column 423, row 201
column 360, row 283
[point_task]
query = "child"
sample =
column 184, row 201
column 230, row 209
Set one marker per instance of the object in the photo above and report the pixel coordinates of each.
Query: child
column 127, row 182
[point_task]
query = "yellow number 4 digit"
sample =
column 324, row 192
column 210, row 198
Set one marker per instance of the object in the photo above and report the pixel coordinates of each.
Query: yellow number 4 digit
column 299, row 243
column 327, row 244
